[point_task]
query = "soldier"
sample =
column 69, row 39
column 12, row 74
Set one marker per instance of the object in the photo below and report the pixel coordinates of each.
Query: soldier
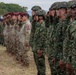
column 50, row 38
column 34, row 26
column 6, row 32
column 19, row 49
column 25, row 38
column 60, row 36
column 34, row 22
column 69, row 44
column 16, row 28
column 52, row 13
column 34, row 9
column 13, row 33
column 39, row 43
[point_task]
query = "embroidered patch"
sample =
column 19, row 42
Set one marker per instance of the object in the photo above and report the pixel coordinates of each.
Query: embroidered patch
column 27, row 27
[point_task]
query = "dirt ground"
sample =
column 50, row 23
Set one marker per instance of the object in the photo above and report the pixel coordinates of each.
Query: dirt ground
column 9, row 66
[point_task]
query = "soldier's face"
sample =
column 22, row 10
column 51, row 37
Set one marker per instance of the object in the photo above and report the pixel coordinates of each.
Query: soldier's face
column 14, row 17
column 36, row 17
column 33, row 13
column 74, row 11
column 24, row 18
column 40, row 19
column 19, row 17
column 62, row 11
column 52, row 12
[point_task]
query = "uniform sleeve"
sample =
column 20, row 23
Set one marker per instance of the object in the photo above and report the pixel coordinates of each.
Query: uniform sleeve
column 41, row 39
column 32, row 34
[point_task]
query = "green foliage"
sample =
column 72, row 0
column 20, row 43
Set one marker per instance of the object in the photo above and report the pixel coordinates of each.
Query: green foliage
column 2, row 11
column 4, row 8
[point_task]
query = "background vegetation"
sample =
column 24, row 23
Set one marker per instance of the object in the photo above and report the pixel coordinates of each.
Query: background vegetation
column 5, row 8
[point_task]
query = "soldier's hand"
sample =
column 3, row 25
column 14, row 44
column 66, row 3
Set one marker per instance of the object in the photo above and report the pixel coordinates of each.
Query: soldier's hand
column 69, row 68
column 54, row 61
column 40, row 52
column 62, row 65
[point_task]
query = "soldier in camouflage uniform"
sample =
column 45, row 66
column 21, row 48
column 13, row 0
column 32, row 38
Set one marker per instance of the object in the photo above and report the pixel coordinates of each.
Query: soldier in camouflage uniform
column 5, row 27
column 6, row 33
column 16, row 30
column 69, row 49
column 50, row 38
column 34, row 23
column 34, row 9
column 39, row 43
column 34, row 26
column 19, row 49
column 25, row 38
column 13, row 33
column 59, row 38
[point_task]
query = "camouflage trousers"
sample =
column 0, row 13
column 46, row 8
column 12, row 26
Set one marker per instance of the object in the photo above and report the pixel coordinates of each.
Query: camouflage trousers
column 73, row 63
column 54, row 63
column 22, row 54
column 7, row 44
column 40, row 63
column 12, row 46
column 1, row 39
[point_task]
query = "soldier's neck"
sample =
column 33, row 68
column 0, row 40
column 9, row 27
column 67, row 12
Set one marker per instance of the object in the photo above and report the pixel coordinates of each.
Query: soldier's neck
column 25, row 20
column 62, row 17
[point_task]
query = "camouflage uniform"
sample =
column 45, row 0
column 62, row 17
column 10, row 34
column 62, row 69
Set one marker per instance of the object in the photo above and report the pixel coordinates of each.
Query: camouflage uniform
column 6, row 36
column 16, row 38
column 50, row 41
column 1, row 34
column 19, row 49
column 10, row 38
column 4, row 33
column 69, row 53
column 33, row 29
column 24, row 39
column 13, row 38
column 60, row 35
column 39, row 44
column 69, row 50
column 34, row 23
column 50, row 49
column 59, row 38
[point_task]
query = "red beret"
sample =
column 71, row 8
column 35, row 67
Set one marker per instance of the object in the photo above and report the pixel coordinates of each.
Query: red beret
column 21, row 13
column 9, row 13
column 5, row 15
column 15, row 13
column 25, row 14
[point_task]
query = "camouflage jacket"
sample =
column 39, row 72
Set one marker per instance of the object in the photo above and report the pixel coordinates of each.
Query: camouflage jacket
column 51, row 30
column 59, row 37
column 50, row 40
column 69, row 45
column 33, row 29
column 25, row 32
column 40, row 37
